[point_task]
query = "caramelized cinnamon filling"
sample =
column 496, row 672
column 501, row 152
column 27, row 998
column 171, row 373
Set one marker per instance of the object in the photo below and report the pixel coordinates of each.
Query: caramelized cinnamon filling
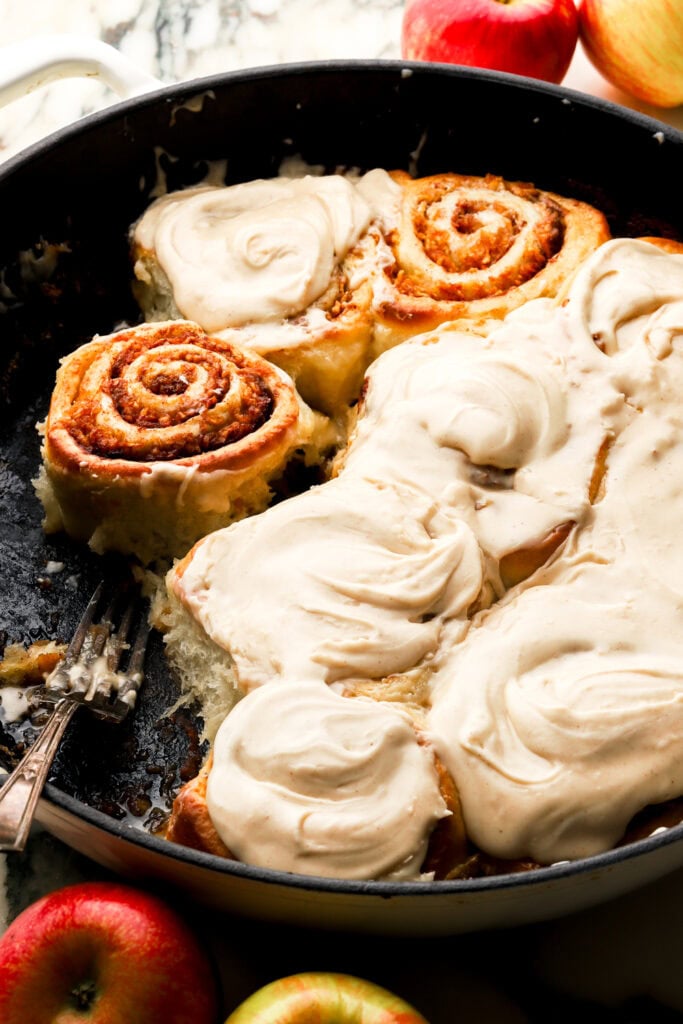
column 180, row 377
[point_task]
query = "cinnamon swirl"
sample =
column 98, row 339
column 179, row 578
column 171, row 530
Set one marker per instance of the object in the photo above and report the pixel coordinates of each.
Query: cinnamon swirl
column 160, row 433
column 475, row 248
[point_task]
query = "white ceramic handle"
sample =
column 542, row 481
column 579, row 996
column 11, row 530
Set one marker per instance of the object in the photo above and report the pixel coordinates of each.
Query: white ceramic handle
column 36, row 62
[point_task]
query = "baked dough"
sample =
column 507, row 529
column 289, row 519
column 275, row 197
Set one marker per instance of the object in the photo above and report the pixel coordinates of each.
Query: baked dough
column 160, row 433
column 475, row 248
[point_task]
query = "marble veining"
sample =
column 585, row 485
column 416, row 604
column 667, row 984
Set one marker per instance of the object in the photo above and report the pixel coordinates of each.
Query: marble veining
column 176, row 40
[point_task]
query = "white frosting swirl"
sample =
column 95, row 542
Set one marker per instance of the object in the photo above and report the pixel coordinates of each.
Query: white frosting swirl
column 618, row 291
column 257, row 251
column 559, row 718
column 441, row 408
column 308, row 781
column 347, row 580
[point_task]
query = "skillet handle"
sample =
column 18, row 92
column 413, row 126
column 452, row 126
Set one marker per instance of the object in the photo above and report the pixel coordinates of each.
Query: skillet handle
column 36, row 62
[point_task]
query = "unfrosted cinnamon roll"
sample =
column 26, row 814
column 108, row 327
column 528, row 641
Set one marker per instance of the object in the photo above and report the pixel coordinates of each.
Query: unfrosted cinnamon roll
column 474, row 247
column 305, row 780
column 262, row 263
column 160, row 433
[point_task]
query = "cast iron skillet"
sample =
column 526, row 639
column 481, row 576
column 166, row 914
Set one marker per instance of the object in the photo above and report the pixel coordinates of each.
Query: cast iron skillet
column 65, row 274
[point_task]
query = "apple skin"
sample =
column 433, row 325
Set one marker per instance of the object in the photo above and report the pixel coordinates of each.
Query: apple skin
column 636, row 46
column 134, row 960
column 324, row 998
column 534, row 38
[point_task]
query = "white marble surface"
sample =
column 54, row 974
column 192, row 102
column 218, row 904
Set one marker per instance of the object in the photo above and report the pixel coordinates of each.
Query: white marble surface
column 618, row 963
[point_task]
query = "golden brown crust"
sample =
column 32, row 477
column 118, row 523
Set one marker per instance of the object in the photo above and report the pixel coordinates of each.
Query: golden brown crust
column 521, row 564
column 190, row 824
column 665, row 244
column 28, row 666
column 448, row 841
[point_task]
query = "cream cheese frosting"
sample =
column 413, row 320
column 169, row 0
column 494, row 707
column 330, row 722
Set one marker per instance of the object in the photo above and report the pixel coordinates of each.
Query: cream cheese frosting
column 557, row 710
column 350, row 579
column 255, row 252
column 505, row 431
column 560, row 714
column 309, row 781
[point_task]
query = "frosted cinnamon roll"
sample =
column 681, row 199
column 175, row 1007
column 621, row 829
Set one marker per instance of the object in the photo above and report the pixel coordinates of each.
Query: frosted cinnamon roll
column 160, row 433
column 560, row 715
column 474, row 247
column 348, row 580
column 263, row 263
column 509, row 432
column 302, row 779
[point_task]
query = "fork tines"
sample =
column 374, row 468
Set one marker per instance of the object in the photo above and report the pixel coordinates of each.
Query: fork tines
column 91, row 671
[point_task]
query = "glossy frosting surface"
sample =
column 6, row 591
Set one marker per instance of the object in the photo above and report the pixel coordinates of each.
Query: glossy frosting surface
column 258, row 251
column 323, row 785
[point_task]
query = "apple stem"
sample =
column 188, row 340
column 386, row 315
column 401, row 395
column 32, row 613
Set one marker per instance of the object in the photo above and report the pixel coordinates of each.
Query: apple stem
column 83, row 995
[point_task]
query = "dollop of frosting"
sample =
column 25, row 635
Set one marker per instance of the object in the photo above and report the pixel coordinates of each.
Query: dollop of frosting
column 349, row 579
column 506, row 431
column 254, row 252
column 306, row 780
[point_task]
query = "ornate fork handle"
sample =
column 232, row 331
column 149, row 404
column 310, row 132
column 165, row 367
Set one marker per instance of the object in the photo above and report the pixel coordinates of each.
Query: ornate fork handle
column 22, row 788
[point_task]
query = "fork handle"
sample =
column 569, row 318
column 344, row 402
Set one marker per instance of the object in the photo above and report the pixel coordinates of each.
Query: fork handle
column 22, row 788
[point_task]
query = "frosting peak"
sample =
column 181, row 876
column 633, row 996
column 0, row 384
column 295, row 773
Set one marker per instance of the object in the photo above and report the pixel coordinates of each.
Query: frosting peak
column 256, row 251
column 306, row 780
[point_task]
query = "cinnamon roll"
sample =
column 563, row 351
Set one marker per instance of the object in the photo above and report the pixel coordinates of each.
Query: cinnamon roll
column 570, row 720
column 509, row 431
column 305, row 780
column 263, row 264
column 354, row 579
column 475, row 248
column 160, row 433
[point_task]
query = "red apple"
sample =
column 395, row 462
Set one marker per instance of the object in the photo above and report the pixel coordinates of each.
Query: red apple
column 103, row 953
column 636, row 45
column 535, row 38
column 321, row 998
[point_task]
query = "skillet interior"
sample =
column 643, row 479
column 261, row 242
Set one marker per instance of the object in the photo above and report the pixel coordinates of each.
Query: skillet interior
column 67, row 204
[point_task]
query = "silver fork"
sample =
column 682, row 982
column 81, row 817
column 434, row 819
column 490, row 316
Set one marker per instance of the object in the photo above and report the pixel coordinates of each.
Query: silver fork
column 88, row 676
